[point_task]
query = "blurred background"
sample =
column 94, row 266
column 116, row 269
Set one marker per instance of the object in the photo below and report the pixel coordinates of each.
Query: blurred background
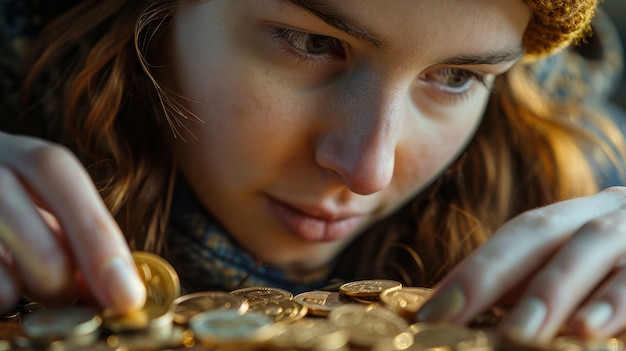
column 616, row 9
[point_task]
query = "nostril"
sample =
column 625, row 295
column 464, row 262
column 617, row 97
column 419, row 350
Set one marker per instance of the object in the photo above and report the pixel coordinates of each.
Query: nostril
column 363, row 169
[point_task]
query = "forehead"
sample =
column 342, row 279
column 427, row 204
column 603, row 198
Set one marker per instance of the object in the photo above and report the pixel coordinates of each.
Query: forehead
column 426, row 25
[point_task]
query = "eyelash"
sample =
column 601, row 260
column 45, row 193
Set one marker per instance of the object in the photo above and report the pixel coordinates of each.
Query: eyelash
column 449, row 92
column 293, row 39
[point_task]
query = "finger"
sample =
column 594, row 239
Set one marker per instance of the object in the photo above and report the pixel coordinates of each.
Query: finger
column 42, row 262
column 95, row 239
column 604, row 314
column 8, row 289
column 515, row 251
column 80, row 286
column 10, row 286
column 568, row 278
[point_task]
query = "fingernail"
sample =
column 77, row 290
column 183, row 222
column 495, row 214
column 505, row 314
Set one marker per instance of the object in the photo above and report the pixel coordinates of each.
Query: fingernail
column 443, row 306
column 525, row 323
column 596, row 314
column 126, row 292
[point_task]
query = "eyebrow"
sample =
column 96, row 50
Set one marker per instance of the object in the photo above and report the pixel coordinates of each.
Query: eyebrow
column 333, row 16
column 336, row 18
column 492, row 58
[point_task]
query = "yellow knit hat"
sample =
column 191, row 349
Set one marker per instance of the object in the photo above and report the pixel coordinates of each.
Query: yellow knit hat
column 556, row 24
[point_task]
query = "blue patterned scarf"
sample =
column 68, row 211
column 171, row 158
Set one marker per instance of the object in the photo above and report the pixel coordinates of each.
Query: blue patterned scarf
column 208, row 259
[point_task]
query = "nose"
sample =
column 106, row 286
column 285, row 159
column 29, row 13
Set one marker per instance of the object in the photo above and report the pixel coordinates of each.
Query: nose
column 361, row 143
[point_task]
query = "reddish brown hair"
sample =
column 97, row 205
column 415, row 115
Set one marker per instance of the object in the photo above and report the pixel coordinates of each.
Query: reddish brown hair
column 91, row 88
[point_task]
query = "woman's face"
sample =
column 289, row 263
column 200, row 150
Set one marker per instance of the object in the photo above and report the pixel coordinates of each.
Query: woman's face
column 321, row 117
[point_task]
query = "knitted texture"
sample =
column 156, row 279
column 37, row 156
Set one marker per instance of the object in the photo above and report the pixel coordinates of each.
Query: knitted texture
column 557, row 23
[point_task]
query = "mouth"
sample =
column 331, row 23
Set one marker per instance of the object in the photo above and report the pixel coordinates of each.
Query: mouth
column 315, row 228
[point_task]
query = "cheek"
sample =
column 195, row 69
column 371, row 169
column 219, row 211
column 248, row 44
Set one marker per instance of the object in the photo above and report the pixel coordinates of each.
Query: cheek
column 234, row 97
column 426, row 150
column 235, row 116
column 247, row 124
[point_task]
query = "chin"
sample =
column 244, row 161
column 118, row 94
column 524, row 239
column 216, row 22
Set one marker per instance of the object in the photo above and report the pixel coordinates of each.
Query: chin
column 301, row 260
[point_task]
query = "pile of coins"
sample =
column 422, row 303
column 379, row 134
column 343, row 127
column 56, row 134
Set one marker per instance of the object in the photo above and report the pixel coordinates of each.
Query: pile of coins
column 376, row 315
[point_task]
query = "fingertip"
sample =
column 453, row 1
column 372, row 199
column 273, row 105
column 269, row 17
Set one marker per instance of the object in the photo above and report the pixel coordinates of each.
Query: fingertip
column 590, row 321
column 527, row 321
column 443, row 307
column 125, row 292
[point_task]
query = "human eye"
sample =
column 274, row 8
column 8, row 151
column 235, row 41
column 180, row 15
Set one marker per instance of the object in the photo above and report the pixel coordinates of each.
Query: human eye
column 453, row 82
column 308, row 48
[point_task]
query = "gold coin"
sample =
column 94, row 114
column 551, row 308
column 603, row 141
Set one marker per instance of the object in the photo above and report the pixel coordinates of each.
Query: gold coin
column 189, row 305
column 49, row 325
column 149, row 317
column 408, row 299
column 566, row 343
column 168, row 339
column 433, row 335
column 310, row 334
column 399, row 342
column 280, row 310
column 162, row 288
column 367, row 324
column 405, row 301
column 367, row 289
column 100, row 345
column 159, row 277
column 508, row 343
column 364, row 300
column 229, row 329
column 320, row 303
column 260, row 294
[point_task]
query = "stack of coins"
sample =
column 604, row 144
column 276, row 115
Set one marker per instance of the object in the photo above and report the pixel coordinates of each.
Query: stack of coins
column 376, row 315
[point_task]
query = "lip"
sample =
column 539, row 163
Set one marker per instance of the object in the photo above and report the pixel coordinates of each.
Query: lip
column 319, row 227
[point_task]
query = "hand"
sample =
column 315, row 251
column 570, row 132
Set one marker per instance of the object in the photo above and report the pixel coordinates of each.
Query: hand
column 566, row 262
column 56, row 234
